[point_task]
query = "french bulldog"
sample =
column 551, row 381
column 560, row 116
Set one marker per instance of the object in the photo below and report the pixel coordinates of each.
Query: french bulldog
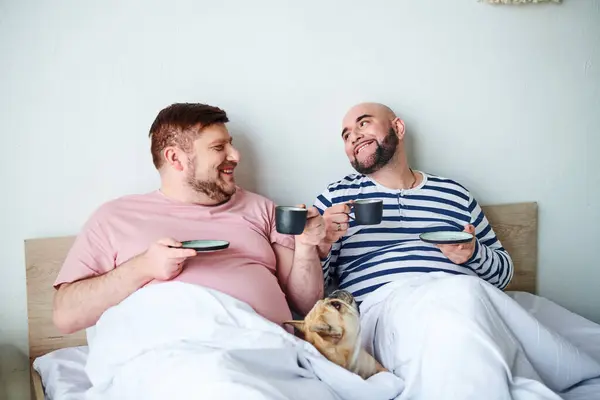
column 332, row 326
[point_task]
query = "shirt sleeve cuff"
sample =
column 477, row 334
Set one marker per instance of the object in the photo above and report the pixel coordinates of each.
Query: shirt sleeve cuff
column 283, row 240
column 476, row 253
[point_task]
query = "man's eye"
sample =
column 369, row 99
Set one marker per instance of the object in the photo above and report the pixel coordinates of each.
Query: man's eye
column 218, row 148
column 363, row 123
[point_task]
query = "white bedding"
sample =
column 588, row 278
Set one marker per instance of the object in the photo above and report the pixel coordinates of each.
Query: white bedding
column 227, row 358
column 581, row 332
column 458, row 337
column 178, row 340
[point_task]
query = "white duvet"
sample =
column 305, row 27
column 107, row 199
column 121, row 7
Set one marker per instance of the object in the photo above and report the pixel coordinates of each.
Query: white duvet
column 458, row 337
column 181, row 341
column 175, row 341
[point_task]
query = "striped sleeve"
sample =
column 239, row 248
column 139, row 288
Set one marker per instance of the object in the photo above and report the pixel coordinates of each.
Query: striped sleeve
column 490, row 260
column 323, row 202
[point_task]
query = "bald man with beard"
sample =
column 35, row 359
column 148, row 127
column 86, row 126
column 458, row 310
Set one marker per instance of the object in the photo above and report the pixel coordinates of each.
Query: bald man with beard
column 414, row 202
column 370, row 261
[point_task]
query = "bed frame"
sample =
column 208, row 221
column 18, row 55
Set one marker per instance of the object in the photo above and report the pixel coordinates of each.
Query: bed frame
column 515, row 225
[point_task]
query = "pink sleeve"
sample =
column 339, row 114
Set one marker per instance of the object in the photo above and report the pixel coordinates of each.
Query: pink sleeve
column 91, row 253
column 276, row 237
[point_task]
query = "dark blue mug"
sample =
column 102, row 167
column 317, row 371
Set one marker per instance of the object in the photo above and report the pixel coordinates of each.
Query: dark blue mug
column 290, row 220
column 367, row 211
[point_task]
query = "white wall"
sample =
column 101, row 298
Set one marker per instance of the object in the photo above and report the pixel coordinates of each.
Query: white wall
column 504, row 99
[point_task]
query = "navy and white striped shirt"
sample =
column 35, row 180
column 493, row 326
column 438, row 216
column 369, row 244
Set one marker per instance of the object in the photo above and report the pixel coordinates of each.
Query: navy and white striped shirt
column 368, row 257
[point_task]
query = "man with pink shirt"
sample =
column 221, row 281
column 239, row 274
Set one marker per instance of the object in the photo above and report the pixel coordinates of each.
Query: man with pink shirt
column 136, row 240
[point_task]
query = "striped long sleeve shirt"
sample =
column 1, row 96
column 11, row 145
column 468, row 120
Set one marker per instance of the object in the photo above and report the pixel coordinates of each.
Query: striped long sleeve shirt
column 370, row 256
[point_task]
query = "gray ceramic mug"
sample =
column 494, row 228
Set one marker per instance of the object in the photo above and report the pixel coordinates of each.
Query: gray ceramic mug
column 290, row 220
column 367, row 211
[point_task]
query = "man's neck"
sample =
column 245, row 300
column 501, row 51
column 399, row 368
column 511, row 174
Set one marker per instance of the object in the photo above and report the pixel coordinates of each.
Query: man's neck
column 397, row 174
column 185, row 194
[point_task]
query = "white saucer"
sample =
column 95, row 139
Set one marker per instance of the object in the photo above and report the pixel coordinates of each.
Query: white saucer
column 446, row 237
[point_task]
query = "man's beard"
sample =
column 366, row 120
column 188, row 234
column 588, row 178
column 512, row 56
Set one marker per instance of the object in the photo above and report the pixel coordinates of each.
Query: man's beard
column 383, row 154
column 210, row 188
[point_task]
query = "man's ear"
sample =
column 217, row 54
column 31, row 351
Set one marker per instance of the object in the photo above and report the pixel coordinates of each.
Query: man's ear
column 300, row 325
column 399, row 127
column 172, row 157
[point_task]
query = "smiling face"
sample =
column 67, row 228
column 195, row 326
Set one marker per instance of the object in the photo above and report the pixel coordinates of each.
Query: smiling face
column 211, row 164
column 371, row 135
column 192, row 150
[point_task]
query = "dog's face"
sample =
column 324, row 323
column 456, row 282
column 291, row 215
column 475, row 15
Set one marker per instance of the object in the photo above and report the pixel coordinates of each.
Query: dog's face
column 332, row 322
column 333, row 327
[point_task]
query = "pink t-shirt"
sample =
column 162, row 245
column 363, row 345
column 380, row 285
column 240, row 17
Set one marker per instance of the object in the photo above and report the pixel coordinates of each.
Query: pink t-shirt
column 125, row 227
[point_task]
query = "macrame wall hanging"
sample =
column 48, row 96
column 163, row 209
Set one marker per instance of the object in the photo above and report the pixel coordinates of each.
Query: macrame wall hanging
column 519, row 1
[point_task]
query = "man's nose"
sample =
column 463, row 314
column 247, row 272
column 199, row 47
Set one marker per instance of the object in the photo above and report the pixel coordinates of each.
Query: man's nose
column 234, row 155
column 355, row 137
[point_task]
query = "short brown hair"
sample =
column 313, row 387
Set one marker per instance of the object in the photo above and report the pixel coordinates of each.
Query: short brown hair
column 179, row 124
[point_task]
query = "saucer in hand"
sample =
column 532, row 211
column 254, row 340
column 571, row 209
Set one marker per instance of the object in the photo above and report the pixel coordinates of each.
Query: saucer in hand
column 205, row 245
column 446, row 237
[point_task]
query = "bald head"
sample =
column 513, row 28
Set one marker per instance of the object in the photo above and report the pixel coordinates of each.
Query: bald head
column 377, row 110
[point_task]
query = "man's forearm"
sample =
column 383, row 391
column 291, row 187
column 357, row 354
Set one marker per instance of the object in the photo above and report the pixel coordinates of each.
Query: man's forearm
column 79, row 305
column 493, row 265
column 305, row 283
column 324, row 249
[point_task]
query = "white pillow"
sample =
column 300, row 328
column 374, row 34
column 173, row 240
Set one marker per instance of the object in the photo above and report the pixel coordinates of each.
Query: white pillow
column 63, row 373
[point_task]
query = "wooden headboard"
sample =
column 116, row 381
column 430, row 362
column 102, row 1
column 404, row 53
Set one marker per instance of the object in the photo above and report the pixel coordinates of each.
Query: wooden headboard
column 515, row 225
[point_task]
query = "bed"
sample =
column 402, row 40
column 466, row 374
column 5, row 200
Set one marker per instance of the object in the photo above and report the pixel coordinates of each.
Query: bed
column 61, row 358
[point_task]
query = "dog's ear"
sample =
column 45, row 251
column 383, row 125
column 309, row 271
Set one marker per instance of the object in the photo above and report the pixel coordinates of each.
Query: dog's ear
column 300, row 325
column 321, row 327
column 324, row 329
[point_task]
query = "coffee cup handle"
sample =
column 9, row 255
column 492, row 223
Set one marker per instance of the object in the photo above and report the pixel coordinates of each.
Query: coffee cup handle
column 351, row 205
